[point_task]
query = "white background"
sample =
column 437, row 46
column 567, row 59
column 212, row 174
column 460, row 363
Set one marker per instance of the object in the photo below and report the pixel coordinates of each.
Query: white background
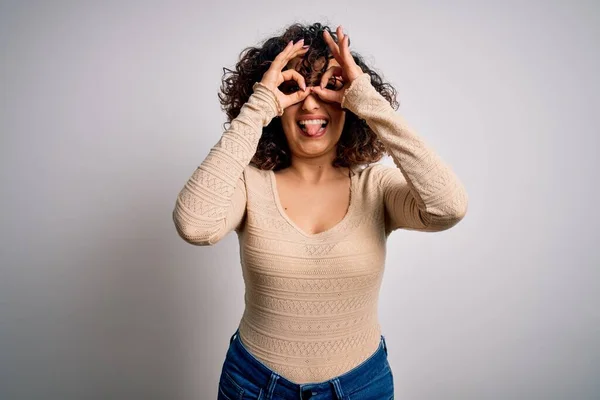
column 106, row 109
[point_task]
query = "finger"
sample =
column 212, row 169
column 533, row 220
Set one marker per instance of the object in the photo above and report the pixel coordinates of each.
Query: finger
column 344, row 46
column 340, row 33
column 332, row 46
column 296, row 50
column 345, row 49
column 298, row 46
column 299, row 96
column 281, row 56
column 328, row 95
column 300, row 51
column 332, row 71
column 341, row 36
column 296, row 53
column 351, row 67
column 285, row 55
column 286, row 49
column 290, row 74
column 282, row 62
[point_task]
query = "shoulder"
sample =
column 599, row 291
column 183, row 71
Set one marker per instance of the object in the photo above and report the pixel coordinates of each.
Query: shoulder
column 372, row 173
column 251, row 169
column 380, row 175
column 253, row 175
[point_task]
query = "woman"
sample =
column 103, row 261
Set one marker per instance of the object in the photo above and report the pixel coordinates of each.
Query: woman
column 293, row 176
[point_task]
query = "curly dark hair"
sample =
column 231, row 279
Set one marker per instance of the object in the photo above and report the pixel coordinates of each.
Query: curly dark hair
column 357, row 145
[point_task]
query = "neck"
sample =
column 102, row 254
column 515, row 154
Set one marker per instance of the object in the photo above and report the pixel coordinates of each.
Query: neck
column 315, row 170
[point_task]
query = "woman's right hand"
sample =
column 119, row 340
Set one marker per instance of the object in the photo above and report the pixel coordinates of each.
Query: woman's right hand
column 274, row 76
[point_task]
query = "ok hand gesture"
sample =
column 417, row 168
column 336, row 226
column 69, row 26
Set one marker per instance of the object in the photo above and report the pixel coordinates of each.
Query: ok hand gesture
column 275, row 77
column 346, row 67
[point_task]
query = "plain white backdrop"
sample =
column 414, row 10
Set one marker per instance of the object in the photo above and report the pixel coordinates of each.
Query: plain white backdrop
column 106, row 109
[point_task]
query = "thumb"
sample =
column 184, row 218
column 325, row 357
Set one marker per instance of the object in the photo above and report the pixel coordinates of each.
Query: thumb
column 302, row 94
column 327, row 94
column 298, row 96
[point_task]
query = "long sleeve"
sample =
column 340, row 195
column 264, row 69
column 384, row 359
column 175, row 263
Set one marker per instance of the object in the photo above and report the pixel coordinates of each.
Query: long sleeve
column 422, row 192
column 213, row 201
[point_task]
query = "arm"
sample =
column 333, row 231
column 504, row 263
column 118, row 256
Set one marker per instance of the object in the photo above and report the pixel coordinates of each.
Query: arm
column 213, row 201
column 422, row 192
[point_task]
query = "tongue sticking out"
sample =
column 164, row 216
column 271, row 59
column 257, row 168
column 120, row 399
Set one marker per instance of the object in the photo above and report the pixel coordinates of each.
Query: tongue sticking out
column 312, row 129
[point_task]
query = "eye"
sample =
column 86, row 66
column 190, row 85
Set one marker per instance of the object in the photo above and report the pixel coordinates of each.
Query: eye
column 289, row 87
column 335, row 84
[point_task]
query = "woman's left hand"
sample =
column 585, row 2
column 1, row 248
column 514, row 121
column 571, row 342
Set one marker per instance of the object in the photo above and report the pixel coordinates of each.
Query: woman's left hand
column 346, row 67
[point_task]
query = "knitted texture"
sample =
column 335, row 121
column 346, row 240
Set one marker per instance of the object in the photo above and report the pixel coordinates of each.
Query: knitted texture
column 311, row 299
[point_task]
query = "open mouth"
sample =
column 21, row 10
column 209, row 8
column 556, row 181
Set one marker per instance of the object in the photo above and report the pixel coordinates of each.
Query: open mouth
column 313, row 127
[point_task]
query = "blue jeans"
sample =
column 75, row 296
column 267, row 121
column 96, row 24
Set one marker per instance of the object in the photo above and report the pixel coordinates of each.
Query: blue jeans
column 245, row 377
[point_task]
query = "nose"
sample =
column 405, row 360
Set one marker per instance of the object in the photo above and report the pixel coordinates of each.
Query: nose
column 311, row 102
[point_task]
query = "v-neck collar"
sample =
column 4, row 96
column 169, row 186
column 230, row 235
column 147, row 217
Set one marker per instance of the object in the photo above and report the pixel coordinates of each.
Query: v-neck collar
column 324, row 233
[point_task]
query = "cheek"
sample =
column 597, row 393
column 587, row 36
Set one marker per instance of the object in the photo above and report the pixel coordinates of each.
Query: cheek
column 340, row 118
column 289, row 129
column 288, row 120
column 290, row 113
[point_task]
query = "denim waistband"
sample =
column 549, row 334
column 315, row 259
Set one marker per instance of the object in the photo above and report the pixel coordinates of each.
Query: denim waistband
column 276, row 386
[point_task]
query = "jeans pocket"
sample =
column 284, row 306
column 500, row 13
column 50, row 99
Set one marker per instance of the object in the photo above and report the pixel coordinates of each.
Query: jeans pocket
column 233, row 386
column 229, row 389
column 381, row 387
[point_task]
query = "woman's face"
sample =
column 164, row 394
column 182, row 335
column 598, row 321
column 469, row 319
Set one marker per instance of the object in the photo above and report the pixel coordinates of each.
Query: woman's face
column 313, row 127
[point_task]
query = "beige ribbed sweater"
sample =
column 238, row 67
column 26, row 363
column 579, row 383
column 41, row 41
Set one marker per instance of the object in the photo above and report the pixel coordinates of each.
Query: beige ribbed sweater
column 311, row 299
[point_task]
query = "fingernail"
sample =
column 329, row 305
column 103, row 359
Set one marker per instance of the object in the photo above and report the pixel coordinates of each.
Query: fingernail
column 306, row 46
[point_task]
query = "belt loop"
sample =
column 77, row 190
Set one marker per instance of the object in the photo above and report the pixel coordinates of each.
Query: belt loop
column 233, row 336
column 271, row 385
column 384, row 344
column 338, row 389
